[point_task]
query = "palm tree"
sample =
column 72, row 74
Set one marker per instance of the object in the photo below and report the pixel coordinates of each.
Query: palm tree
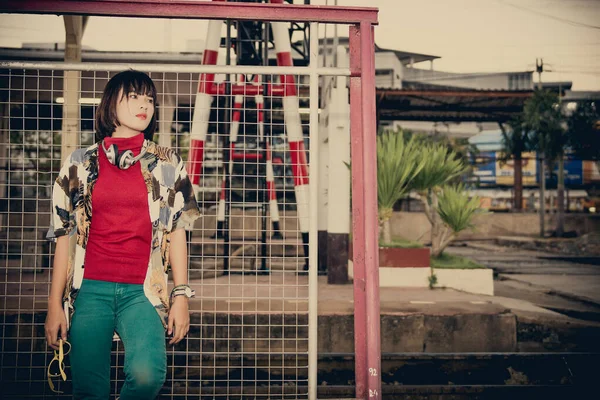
column 515, row 143
column 441, row 167
column 398, row 162
column 456, row 209
column 405, row 163
column 542, row 116
column 461, row 147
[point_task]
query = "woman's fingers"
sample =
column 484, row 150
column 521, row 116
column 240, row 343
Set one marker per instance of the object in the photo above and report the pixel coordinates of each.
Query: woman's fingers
column 181, row 329
column 174, row 332
column 55, row 326
column 51, row 338
column 63, row 329
column 180, row 332
column 170, row 324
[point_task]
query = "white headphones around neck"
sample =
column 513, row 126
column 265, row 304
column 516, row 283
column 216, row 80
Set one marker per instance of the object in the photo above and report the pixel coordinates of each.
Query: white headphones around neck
column 122, row 160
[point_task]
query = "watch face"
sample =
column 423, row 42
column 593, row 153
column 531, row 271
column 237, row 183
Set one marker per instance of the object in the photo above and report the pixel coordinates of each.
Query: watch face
column 188, row 292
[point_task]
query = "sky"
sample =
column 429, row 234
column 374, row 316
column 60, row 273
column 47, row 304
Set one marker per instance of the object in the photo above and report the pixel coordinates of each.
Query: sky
column 468, row 35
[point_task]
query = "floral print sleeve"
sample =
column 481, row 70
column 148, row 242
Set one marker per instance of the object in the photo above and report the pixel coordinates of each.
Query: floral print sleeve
column 62, row 219
column 185, row 207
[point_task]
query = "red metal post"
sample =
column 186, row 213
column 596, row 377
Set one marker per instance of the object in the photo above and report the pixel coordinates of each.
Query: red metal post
column 203, row 103
column 358, row 221
column 293, row 127
column 371, row 250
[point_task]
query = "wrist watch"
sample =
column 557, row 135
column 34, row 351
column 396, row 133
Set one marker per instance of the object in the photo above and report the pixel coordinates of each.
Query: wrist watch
column 183, row 290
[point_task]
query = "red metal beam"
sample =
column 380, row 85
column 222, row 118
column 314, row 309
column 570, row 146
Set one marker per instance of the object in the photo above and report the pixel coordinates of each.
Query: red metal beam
column 245, row 90
column 195, row 9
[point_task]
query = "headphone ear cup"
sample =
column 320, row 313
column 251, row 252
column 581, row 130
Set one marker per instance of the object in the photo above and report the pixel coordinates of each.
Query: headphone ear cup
column 112, row 153
column 125, row 159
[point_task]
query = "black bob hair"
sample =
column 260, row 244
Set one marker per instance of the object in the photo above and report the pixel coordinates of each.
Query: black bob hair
column 123, row 83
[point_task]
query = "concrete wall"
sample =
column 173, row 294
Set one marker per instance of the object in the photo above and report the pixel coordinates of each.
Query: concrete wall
column 388, row 71
column 414, row 225
column 420, row 333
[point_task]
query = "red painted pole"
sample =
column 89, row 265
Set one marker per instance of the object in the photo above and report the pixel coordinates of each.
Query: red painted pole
column 271, row 194
column 203, row 103
column 293, row 129
column 358, row 222
column 234, row 128
column 369, row 133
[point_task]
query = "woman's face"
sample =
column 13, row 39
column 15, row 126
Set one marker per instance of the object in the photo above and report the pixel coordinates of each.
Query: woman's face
column 134, row 112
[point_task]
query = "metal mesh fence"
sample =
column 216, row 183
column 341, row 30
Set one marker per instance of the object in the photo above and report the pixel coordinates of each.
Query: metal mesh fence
column 247, row 254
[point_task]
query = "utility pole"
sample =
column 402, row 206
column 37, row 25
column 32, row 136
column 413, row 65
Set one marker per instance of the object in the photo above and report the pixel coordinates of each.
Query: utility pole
column 560, row 184
column 71, row 115
column 539, row 67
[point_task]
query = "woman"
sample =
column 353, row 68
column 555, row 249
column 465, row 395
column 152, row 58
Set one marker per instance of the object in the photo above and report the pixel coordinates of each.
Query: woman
column 141, row 199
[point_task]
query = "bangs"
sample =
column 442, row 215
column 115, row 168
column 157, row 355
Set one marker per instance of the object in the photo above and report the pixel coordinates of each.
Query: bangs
column 139, row 83
column 141, row 86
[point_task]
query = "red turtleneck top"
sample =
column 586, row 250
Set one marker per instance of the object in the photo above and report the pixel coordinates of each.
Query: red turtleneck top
column 118, row 248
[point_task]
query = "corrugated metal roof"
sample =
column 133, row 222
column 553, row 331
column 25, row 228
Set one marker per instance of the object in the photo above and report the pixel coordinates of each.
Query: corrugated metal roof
column 449, row 104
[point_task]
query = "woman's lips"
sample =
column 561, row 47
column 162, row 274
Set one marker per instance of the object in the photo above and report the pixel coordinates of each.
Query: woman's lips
column 142, row 116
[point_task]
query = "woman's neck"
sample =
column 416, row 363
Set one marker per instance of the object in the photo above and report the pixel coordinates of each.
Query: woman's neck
column 124, row 132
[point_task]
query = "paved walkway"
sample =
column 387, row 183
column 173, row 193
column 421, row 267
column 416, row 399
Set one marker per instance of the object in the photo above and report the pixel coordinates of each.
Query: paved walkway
column 572, row 276
column 288, row 292
column 283, row 292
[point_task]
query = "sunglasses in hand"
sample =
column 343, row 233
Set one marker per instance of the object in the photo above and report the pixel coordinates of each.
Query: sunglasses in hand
column 56, row 368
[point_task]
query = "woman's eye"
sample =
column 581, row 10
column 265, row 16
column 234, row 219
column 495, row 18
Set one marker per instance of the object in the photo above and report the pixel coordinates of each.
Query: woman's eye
column 151, row 101
column 132, row 96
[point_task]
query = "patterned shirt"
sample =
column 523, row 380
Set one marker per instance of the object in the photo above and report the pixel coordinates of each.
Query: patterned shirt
column 171, row 203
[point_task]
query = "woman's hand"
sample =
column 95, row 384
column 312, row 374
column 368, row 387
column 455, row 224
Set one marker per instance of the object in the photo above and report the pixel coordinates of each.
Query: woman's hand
column 179, row 318
column 56, row 324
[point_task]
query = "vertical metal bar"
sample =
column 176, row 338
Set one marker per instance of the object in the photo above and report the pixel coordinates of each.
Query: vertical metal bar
column 262, row 169
column 371, row 244
column 266, row 133
column 166, row 109
column 4, row 143
column 227, row 157
column 313, row 212
column 263, row 198
column 358, row 222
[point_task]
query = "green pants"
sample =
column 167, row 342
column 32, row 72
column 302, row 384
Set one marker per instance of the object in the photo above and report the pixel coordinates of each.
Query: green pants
column 100, row 309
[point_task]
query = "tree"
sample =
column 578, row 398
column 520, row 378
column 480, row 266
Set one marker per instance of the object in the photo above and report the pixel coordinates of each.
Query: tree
column 398, row 162
column 543, row 116
column 515, row 143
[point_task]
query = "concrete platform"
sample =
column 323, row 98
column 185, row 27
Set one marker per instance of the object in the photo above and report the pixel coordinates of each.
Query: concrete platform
column 263, row 292
column 413, row 319
column 267, row 312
